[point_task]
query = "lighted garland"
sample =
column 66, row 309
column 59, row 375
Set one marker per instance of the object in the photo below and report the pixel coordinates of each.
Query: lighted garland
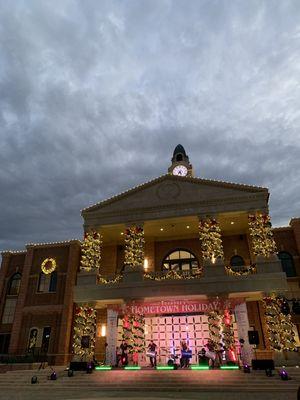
column 105, row 281
column 280, row 326
column 91, row 251
column 48, row 266
column 242, row 272
column 260, row 229
column 134, row 246
column 171, row 274
column 214, row 326
column 227, row 331
column 210, row 239
column 133, row 333
column 84, row 325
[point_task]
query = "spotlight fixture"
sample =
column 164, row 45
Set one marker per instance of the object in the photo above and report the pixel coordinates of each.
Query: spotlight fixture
column 246, row 369
column 53, row 376
column 187, row 227
column 70, row 373
column 34, row 380
column 231, row 222
column 269, row 372
column 283, row 375
column 161, row 229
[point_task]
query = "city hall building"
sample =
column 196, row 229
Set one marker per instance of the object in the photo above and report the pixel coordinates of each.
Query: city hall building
column 175, row 259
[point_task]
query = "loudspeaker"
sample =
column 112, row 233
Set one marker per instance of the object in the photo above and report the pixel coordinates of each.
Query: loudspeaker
column 253, row 337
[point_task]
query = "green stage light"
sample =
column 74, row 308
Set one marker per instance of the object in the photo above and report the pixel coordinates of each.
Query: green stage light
column 200, row 367
column 230, row 367
column 133, row 367
column 103, row 368
column 164, row 367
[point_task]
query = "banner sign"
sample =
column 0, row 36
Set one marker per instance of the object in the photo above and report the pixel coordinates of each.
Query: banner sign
column 178, row 306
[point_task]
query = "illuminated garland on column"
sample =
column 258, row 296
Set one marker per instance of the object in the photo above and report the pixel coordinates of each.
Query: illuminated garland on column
column 134, row 246
column 214, row 326
column 91, row 252
column 260, row 229
column 228, row 333
column 280, row 326
column 138, row 334
column 84, row 325
column 210, row 239
column 133, row 333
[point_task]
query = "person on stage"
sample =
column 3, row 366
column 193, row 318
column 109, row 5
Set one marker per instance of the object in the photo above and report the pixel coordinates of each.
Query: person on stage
column 152, row 349
column 185, row 355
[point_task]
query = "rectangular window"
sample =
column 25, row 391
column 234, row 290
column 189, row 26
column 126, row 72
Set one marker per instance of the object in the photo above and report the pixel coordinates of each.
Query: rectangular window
column 9, row 311
column 44, row 282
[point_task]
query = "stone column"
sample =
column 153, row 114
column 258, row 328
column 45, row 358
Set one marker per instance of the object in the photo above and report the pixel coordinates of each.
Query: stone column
column 111, row 336
column 134, row 252
column 260, row 229
column 211, row 246
column 84, row 330
column 241, row 315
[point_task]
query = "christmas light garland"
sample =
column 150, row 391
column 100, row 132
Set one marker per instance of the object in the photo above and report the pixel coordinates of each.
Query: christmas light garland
column 214, row 326
column 91, row 251
column 279, row 325
column 227, row 331
column 133, row 333
column 104, row 281
column 134, row 246
column 242, row 272
column 171, row 274
column 48, row 266
column 260, row 229
column 84, row 325
column 210, row 239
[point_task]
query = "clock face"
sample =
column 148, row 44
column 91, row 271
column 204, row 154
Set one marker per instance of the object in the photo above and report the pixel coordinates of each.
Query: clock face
column 180, row 170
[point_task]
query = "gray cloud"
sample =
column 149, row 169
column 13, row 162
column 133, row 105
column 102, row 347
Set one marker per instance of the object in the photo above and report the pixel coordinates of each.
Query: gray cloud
column 94, row 96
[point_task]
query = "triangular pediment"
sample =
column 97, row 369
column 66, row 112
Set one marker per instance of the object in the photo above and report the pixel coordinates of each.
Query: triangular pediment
column 169, row 190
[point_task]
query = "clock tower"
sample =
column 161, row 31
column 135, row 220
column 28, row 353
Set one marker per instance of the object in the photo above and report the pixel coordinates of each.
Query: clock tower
column 180, row 163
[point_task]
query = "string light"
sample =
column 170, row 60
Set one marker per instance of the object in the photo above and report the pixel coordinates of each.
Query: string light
column 48, row 266
column 214, row 326
column 210, row 239
column 172, row 274
column 91, row 251
column 260, row 229
column 279, row 325
column 242, row 272
column 84, row 325
column 134, row 246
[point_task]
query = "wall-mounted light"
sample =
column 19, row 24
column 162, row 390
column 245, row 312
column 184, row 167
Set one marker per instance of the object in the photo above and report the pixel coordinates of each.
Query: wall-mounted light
column 103, row 330
column 213, row 259
column 161, row 229
column 146, row 264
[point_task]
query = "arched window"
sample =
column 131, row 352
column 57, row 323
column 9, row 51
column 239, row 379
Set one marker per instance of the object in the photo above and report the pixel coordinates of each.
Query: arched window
column 237, row 261
column 287, row 263
column 180, row 260
column 47, row 282
column 14, row 284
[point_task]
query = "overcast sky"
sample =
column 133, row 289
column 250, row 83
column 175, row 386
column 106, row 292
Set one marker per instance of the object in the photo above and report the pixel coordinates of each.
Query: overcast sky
column 95, row 95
